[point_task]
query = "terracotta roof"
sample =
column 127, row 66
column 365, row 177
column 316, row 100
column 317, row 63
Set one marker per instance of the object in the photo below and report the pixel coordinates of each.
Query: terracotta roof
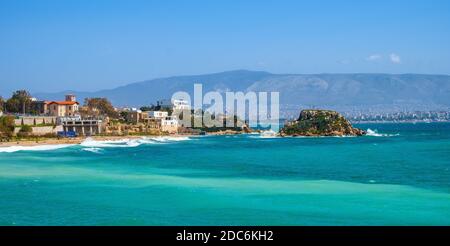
column 63, row 102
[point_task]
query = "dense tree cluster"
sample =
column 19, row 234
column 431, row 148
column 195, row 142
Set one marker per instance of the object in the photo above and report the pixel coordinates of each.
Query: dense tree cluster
column 20, row 102
column 6, row 127
column 157, row 108
column 99, row 106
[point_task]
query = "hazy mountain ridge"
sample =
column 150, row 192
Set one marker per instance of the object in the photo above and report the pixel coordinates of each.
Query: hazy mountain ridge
column 314, row 89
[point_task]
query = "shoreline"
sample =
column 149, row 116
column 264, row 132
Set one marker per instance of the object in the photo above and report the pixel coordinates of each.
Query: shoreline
column 78, row 140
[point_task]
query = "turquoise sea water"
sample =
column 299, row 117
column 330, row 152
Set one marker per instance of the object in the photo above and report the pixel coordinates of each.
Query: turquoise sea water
column 398, row 176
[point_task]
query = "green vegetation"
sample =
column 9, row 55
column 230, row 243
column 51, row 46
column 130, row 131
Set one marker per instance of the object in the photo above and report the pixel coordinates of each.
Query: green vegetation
column 45, row 124
column 25, row 131
column 148, row 108
column 6, row 128
column 20, row 102
column 320, row 123
column 99, row 106
column 156, row 108
column 123, row 116
column 2, row 104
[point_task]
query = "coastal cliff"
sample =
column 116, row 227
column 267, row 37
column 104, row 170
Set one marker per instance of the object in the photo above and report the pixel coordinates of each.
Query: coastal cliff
column 320, row 123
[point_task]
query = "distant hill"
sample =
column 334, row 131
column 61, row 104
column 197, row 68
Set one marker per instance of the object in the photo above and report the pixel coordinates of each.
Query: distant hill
column 344, row 90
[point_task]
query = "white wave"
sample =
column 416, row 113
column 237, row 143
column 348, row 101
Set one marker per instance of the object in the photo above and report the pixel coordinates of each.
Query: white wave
column 374, row 133
column 127, row 143
column 268, row 134
column 44, row 147
column 124, row 143
column 93, row 150
column 169, row 139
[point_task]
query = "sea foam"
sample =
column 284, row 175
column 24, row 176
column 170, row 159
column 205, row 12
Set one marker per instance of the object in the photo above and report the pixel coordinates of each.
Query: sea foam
column 93, row 150
column 127, row 143
column 45, row 147
column 374, row 133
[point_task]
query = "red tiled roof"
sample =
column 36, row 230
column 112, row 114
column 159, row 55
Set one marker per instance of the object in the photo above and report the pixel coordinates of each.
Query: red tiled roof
column 63, row 103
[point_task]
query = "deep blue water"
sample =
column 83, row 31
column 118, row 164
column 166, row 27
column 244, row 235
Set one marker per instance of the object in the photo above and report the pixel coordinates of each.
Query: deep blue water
column 398, row 176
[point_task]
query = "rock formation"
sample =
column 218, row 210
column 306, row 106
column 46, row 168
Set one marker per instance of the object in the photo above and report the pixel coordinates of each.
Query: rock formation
column 320, row 123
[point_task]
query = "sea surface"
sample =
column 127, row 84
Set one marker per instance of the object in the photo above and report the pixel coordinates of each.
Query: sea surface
column 398, row 175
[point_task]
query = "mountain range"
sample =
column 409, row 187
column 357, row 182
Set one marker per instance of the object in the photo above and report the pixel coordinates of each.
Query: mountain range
column 335, row 90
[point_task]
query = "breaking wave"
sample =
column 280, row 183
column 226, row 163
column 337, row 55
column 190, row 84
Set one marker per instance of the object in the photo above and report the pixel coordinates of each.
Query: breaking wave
column 374, row 133
column 93, row 150
column 95, row 145
column 45, row 147
column 127, row 143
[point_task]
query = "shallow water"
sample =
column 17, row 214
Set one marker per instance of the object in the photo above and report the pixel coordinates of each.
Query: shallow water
column 397, row 176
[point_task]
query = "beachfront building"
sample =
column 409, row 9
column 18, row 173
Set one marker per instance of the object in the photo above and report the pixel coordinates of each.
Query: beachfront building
column 174, row 104
column 136, row 116
column 82, row 127
column 160, row 120
column 63, row 108
column 169, row 125
column 69, row 107
column 181, row 104
column 158, row 114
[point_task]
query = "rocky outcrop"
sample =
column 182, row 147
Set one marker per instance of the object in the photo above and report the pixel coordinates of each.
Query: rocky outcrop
column 320, row 123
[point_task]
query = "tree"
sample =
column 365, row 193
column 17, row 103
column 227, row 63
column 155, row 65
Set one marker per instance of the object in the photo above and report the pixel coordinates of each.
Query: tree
column 20, row 102
column 157, row 108
column 101, row 106
column 25, row 131
column 6, row 127
column 148, row 108
column 124, row 115
column 2, row 104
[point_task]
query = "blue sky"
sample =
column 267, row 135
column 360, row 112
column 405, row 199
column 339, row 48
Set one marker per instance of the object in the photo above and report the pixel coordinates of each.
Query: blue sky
column 89, row 45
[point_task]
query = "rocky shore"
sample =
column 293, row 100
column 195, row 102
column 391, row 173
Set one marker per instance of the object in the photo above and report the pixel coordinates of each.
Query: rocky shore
column 320, row 123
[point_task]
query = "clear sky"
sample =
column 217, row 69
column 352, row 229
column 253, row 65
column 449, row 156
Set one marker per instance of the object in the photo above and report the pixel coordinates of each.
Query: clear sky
column 89, row 45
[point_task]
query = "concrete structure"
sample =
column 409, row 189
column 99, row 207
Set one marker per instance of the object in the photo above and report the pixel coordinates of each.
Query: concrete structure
column 137, row 116
column 169, row 124
column 35, row 120
column 63, row 108
column 83, row 127
column 71, row 98
column 42, row 130
column 152, row 123
column 69, row 107
column 175, row 104
column 181, row 105
column 158, row 114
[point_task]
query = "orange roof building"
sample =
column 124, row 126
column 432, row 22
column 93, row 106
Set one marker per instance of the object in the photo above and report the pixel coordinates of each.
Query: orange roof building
column 63, row 103
column 63, row 108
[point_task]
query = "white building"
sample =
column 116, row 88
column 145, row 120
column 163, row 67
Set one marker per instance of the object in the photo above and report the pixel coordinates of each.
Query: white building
column 175, row 104
column 158, row 114
column 169, row 124
column 181, row 104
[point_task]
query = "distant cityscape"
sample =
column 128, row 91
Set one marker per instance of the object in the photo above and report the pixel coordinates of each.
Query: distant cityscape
column 414, row 116
column 376, row 114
